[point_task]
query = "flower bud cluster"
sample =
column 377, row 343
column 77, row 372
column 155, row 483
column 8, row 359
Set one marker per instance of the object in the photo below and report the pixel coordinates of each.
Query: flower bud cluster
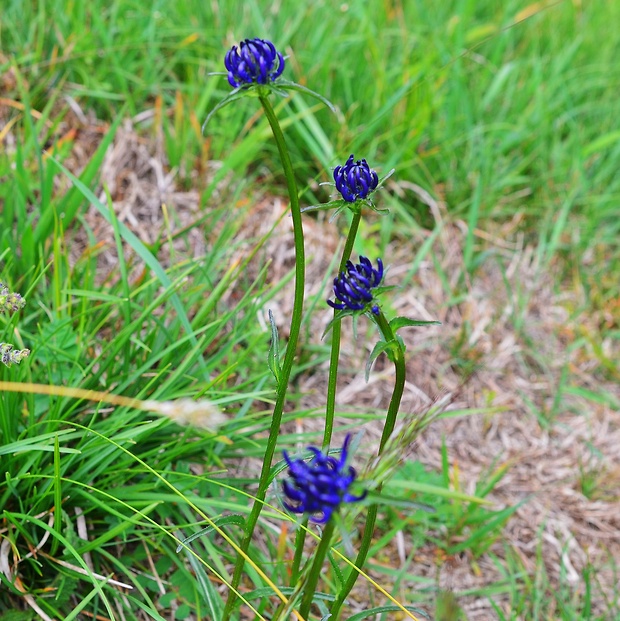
column 10, row 356
column 255, row 61
column 353, row 287
column 11, row 302
column 355, row 180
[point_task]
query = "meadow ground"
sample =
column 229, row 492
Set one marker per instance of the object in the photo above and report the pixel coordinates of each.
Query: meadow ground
column 151, row 277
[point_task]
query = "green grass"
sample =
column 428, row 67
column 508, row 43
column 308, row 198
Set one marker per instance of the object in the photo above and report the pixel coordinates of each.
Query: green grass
column 505, row 112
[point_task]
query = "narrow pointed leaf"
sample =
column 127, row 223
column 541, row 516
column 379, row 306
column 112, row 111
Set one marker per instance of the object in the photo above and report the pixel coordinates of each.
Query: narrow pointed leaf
column 345, row 312
column 371, row 612
column 435, row 490
column 212, row 598
column 273, row 357
column 325, row 206
column 401, row 322
column 379, row 348
column 293, row 86
column 226, row 520
column 232, row 96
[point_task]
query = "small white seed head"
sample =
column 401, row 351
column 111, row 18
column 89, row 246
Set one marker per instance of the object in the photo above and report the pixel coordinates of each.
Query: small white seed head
column 202, row 413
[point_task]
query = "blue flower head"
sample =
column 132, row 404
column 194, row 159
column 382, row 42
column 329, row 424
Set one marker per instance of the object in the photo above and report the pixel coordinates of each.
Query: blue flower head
column 319, row 486
column 256, row 61
column 255, row 67
column 353, row 287
column 355, row 180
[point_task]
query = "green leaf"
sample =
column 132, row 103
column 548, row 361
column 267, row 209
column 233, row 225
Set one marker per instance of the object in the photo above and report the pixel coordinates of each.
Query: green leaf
column 43, row 442
column 276, row 469
column 293, row 86
column 211, row 596
column 16, row 615
column 610, row 139
column 370, row 612
column 253, row 90
column 379, row 348
column 337, row 204
column 273, row 357
column 377, row 291
column 401, row 322
column 435, row 490
column 288, row 591
column 225, row 520
column 182, row 612
column 345, row 312
column 485, row 532
column 396, row 502
column 382, row 180
column 238, row 93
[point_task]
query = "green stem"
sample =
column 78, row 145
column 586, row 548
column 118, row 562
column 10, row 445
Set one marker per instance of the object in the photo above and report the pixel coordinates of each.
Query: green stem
column 289, row 357
column 315, row 570
column 390, row 422
column 399, row 383
column 300, row 540
column 330, row 406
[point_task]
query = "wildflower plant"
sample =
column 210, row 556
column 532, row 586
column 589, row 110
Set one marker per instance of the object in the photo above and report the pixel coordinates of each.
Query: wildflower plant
column 318, row 488
column 11, row 302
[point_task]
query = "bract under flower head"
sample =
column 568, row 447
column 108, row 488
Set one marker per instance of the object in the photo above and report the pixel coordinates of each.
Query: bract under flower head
column 355, row 180
column 256, row 61
column 353, row 287
column 319, row 486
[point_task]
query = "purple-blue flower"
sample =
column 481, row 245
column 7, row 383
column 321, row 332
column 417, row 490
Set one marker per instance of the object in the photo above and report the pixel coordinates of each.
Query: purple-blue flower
column 355, row 180
column 255, row 61
column 319, row 486
column 353, row 287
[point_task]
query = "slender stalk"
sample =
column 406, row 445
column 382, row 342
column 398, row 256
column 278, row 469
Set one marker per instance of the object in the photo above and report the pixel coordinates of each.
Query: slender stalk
column 289, row 357
column 330, row 406
column 388, row 428
column 315, row 570
column 399, row 382
column 300, row 540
